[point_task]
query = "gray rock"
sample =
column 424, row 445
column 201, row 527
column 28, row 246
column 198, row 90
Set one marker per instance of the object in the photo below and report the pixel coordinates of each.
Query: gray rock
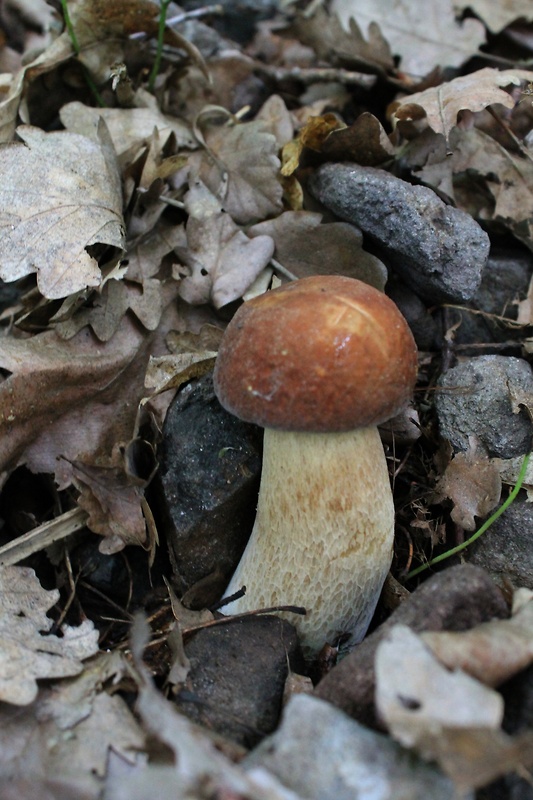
column 505, row 549
column 237, row 676
column 320, row 753
column 438, row 250
column 206, row 488
column 475, row 399
column 505, row 277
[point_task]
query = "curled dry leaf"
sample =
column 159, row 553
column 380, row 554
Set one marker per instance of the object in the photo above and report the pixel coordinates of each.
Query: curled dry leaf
column 113, row 503
column 60, row 193
column 29, row 651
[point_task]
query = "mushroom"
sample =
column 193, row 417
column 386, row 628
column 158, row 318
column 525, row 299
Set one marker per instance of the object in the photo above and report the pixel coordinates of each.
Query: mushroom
column 318, row 363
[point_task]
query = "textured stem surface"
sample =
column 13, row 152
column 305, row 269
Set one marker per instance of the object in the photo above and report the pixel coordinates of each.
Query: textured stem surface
column 323, row 534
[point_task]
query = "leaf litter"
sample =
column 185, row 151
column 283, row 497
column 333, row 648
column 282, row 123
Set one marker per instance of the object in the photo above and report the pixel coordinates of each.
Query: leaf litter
column 129, row 234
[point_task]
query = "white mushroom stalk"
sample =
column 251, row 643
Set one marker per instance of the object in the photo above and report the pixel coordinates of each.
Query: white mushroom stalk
column 318, row 363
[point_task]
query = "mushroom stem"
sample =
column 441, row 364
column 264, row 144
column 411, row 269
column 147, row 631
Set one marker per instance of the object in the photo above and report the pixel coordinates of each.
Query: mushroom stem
column 323, row 533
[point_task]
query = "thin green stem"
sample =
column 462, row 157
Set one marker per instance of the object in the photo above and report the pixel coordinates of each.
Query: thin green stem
column 160, row 35
column 70, row 27
column 499, row 511
column 76, row 47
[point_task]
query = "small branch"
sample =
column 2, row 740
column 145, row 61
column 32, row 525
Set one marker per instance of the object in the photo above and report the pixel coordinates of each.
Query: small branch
column 39, row 538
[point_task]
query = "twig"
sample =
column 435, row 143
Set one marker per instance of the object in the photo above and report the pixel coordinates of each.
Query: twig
column 39, row 538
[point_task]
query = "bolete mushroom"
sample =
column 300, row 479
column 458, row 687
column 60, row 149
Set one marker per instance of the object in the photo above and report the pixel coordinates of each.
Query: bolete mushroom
column 318, row 363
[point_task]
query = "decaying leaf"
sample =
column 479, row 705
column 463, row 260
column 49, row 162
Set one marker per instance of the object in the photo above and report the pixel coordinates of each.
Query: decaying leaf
column 113, row 503
column 28, row 650
column 472, row 481
column 60, row 193
column 492, row 652
column 241, row 168
column 63, row 741
column 415, row 695
column 442, row 104
column 497, row 16
column 345, row 45
column 421, row 44
column 221, row 262
column 127, row 126
column 306, row 247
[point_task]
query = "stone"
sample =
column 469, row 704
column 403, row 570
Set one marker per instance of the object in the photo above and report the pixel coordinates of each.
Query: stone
column 476, row 398
column 319, row 752
column 504, row 550
column 439, row 251
column 206, row 488
column 237, row 676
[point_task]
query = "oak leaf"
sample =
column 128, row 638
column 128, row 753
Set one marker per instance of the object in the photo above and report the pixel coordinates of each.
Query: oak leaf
column 60, row 194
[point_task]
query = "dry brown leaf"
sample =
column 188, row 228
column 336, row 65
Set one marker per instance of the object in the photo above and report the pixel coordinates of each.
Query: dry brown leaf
column 128, row 127
column 364, row 141
column 113, row 503
column 508, row 177
column 472, row 482
column 29, row 651
column 491, row 652
column 60, row 194
column 347, row 46
column 423, row 40
column 276, row 119
column 306, row 247
column 473, row 92
column 497, row 16
column 241, row 169
column 221, row 262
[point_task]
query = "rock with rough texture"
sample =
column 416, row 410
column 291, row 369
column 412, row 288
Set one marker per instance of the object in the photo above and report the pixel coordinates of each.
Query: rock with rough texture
column 453, row 600
column 237, row 676
column 505, row 549
column 477, row 398
column 319, row 752
column 207, row 485
column 439, row 251
column 505, row 277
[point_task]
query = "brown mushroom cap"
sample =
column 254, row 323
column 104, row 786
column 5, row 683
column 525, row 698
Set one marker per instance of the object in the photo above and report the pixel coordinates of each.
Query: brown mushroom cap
column 325, row 353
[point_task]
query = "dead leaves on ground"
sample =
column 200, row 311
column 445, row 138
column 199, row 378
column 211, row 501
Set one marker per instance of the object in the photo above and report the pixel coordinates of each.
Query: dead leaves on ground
column 433, row 692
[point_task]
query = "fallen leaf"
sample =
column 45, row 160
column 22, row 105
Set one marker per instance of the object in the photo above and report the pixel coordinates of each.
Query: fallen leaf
column 473, row 92
column 344, row 45
column 29, row 651
column 61, row 743
column 305, row 247
column 60, row 194
column 241, row 168
column 472, row 482
column 497, row 16
column 422, row 40
column 416, row 695
column 491, row 652
column 128, row 127
column 113, row 503
column 221, row 262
